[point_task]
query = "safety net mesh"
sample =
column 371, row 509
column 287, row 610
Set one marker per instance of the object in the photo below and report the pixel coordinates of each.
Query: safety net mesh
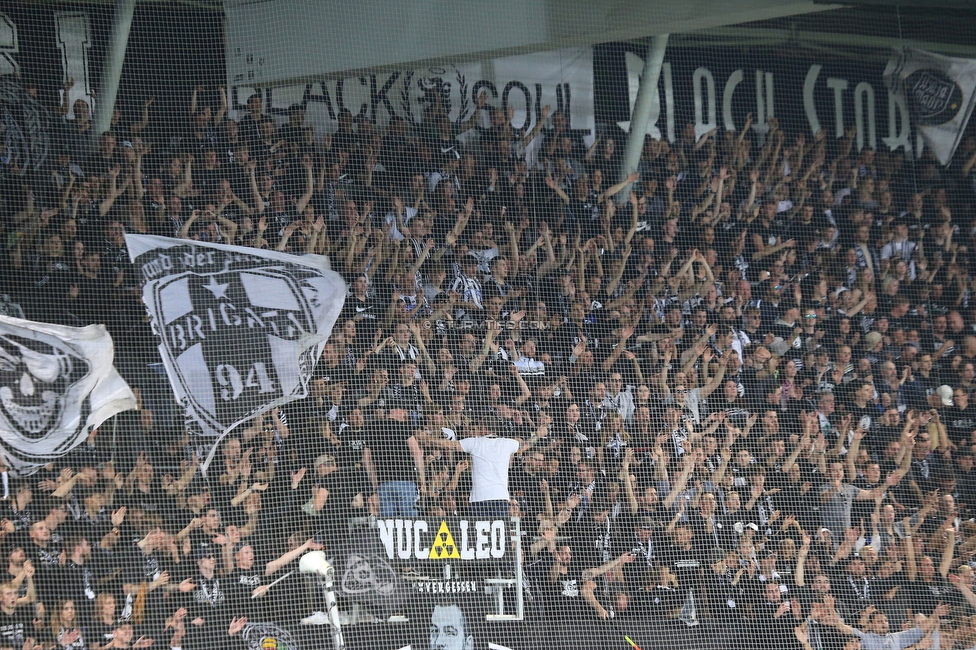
column 384, row 325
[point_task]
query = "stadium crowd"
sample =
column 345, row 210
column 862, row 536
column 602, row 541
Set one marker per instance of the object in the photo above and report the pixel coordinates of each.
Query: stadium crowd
column 742, row 375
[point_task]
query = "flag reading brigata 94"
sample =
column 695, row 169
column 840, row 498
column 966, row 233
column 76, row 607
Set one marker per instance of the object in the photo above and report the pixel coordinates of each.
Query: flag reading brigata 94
column 240, row 328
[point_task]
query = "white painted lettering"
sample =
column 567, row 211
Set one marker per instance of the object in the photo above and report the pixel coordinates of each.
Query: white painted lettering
column 838, row 86
column 899, row 127
column 420, row 552
column 483, row 544
column 734, row 80
column 404, row 538
column 386, row 535
column 702, row 124
column 497, row 539
column 809, row 107
column 466, row 553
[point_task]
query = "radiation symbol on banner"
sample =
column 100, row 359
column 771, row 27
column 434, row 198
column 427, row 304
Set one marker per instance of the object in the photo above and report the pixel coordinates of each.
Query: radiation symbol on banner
column 444, row 547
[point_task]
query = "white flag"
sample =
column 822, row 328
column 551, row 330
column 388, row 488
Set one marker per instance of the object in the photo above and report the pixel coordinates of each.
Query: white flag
column 240, row 329
column 57, row 383
column 939, row 91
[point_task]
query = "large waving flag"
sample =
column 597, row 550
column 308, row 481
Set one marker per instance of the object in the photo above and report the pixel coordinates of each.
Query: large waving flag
column 57, row 383
column 240, row 329
column 940, row 93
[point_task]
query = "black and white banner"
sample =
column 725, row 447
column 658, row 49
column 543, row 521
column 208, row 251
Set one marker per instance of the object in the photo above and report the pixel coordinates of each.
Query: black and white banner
column 562, row 79
column 57, row 383
column 240, row 329
column 940, row 92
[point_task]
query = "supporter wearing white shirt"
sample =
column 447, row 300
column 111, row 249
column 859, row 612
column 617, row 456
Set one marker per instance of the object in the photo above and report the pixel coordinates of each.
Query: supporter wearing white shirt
column 490, row 459
column 900, row 248
column 618, row 398
column 526, row 364
column 468, row 288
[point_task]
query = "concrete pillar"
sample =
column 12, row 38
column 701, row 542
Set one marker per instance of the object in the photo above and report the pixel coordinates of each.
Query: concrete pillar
column 112, row 67
column 646, row 95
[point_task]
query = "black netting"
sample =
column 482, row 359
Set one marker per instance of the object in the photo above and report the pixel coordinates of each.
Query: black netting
column 404, row 357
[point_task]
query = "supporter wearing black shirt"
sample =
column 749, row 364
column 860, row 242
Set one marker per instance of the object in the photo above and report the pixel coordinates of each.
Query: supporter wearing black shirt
column 360, row 305
column 336, row 495
column 856, row 587
column 101, row 630
column 245, row 574
column 47, row 558
column 144, row 569
column 594, row 533
column 706, row 525
column 639, row 540
column 865, row 413
column 353, row 446
column 683, row 559
column 406, row 394
column 248, row 125
column 725, row 585
column 526, row 481
column 927, row 584
column 79, row 578
column 965, row 473
column 775, row 619
column 960, row 418
column 397, row 464
column 15, row 622
column 561, row 583
column 207, row 601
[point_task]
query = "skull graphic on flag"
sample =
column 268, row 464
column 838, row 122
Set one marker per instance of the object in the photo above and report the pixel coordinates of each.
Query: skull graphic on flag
column 57, row 383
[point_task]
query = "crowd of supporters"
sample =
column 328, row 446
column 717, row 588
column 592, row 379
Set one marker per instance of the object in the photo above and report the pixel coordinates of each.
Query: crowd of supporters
column 741, row 377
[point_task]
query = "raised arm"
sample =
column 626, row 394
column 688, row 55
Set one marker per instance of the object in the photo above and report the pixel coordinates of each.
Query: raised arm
column 723, row 466
column 222, row 109
column 625, row 558
column 537, row 129
column 140, row 126
column 309, row 185
column 804, row 439
column 277, row 564
column 947, row 552
column 417, row 454
column 628, row 483
column 614, row 189
column 680, row 484
column 910, row 550
column 554, row 186
column 710, row 387
column 418, row 339
column 113, row 191
column 852, row 454
column 799, row 574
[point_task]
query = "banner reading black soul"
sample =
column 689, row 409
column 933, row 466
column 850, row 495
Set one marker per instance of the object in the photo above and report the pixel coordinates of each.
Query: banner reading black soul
column 240, row 329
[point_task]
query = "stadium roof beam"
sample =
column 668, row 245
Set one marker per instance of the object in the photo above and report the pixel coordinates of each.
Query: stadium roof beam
column 112, row 68
column 746, row 36
column 426, row 32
